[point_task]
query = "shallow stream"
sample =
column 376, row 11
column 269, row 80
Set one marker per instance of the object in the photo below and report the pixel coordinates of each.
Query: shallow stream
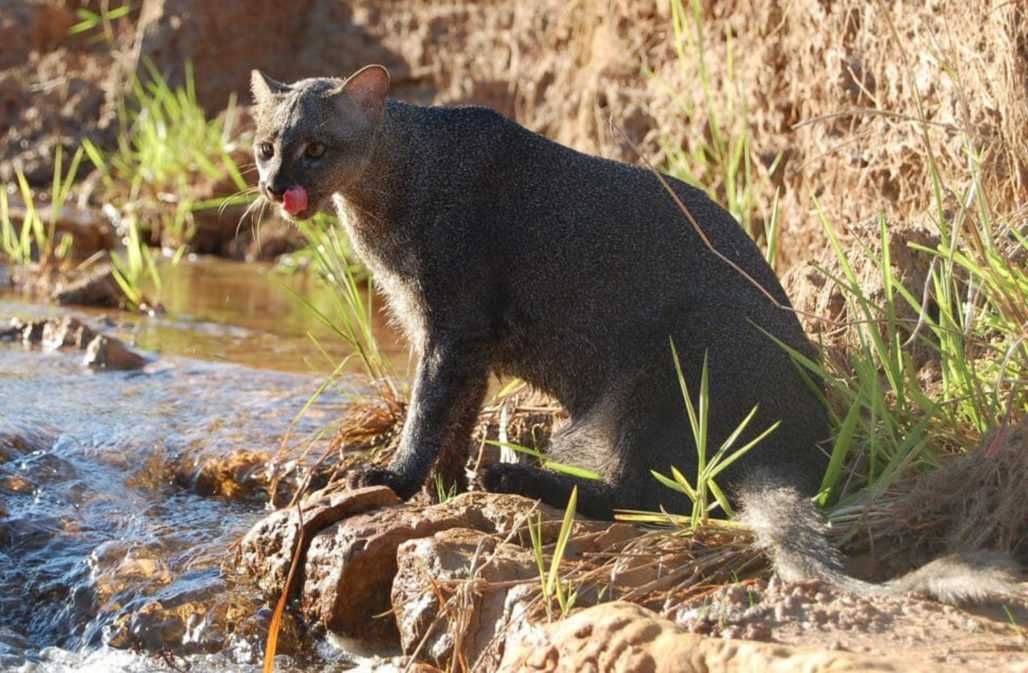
column 93, row 532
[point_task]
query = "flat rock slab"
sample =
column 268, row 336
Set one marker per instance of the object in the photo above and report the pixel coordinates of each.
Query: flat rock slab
column 627, row 638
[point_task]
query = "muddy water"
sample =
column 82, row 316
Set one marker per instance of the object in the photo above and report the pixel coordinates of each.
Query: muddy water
column 94, row 535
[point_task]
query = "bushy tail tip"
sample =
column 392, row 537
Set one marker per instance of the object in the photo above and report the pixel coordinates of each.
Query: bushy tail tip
column 788, row 528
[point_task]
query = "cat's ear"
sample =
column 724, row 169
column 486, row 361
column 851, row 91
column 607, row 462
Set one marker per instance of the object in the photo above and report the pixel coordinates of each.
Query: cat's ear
column 263, row 87
column 368, row 86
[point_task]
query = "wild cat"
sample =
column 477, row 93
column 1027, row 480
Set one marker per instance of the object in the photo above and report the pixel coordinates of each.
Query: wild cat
column 502, row 252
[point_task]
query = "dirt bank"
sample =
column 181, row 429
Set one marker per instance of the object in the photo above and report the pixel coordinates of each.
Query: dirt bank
column 833, row 89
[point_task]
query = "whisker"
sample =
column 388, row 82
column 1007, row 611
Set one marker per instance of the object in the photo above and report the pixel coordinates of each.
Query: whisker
column 255, row 205
column 242, row 192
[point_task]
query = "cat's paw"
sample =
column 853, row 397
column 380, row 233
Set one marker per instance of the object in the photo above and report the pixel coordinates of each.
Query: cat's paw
column 510, row 478
column 403, row 488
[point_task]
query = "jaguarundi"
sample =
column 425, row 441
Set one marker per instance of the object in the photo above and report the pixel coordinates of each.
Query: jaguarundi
column 502, row 252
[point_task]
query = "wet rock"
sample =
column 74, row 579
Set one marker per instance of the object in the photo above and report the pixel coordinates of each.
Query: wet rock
column 67, row 332
column 116, row 566
column 627, row 638
column 31, row 332
column 236, row 475
column 97, row 288
column 15, row 483
column 10, row 331
column 110, row 354
column 266, row 552
column 484, row 585
column 153, row 627
column 351, row 564
column 102, row 352
column 17, row 441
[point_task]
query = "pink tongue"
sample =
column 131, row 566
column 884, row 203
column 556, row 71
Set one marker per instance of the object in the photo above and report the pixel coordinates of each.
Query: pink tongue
column 295, row 200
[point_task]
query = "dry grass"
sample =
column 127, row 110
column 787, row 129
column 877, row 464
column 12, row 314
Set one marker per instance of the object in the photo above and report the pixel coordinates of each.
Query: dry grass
column 829, row 87
column 978, row 500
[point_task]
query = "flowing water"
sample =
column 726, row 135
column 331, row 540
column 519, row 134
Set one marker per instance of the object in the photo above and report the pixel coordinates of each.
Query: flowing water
column 97, row 542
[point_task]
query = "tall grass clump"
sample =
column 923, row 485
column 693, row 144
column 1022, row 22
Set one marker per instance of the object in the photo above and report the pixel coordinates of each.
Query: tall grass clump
column 902, row 392
column 135, row 270
column 167, row 147
column 972, row 321
column 723, row 161
column 36, row 239
column 353, row 318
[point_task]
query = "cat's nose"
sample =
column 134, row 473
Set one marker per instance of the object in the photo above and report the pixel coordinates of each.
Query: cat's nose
column 275, row 191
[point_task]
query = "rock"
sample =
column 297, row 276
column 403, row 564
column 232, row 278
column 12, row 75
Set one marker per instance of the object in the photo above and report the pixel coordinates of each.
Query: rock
column 350, row 565
column 102, row 352
column 478, row 612
column 152, row 627
column 108, row 353
column 11, row 331
column 365, row 544
column 66, row 332
column 266, row 552
column 626, row 638
column 16, row 440
column 31, row 332
column 235, row 475
column 98, row 288
column 15, row 483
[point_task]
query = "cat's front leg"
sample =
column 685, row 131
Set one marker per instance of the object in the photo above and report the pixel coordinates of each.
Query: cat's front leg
column 448, row 391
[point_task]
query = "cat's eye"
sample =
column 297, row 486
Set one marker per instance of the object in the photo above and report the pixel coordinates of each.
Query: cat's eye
column 314, row 150
column 265, row 151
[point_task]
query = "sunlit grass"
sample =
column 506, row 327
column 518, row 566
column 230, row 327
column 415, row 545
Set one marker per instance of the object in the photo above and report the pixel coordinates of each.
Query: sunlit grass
column 36, row 239
column 167, row 145
column 354, row 316
column 722, row 161
column 551, row 583
column 891, row 417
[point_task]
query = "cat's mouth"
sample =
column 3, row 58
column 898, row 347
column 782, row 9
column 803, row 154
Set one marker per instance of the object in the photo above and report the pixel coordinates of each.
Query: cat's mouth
column 296, row 204
column 294, row 200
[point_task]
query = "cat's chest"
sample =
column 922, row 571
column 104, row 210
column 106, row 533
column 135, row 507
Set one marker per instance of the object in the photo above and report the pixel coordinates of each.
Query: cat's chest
column 392, row 266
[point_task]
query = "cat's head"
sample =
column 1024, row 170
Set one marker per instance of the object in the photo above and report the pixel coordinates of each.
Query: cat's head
column 314, row 136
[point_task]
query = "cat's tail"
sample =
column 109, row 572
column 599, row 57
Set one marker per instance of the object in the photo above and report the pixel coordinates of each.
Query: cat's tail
column 792, row 533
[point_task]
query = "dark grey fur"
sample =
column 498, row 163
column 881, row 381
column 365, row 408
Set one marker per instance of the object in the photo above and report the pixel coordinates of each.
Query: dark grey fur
column 504, row 253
